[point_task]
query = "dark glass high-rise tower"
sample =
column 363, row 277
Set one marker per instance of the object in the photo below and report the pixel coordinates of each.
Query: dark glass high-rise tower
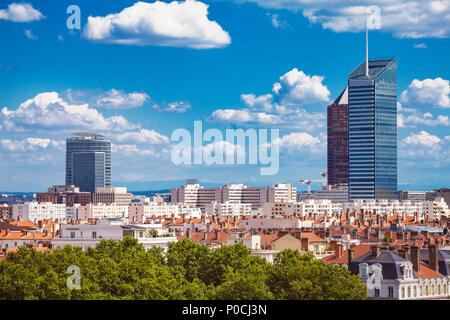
column 88, row 161
column 337, row 136
column 372, row 121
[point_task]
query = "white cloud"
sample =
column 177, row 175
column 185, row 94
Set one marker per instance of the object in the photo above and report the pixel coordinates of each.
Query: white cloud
column 425, row 147
column 295, row 87
column 111, row 99
column 276, row 22
column 298, row 141
column 244, row 115
column 176, row 107
column 420, row 46
column 21, row 12
column 142, row 136
column 48, row 111
column 282, row 106
column 422, row 138
column 421, row 119
column 403, row 18
column 131, row 150
column 428, row 92
column 29, row 34
column 30, row 144
column 177, row 24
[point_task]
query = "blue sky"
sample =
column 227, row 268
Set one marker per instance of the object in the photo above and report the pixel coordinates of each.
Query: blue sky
column 139, row 75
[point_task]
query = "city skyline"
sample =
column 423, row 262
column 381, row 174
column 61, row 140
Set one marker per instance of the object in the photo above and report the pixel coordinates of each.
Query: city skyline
column 279, row 72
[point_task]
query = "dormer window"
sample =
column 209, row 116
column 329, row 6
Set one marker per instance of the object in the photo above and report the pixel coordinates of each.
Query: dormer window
column 363, row 270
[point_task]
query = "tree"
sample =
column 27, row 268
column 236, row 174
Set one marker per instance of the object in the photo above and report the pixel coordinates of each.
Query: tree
column 302, row 277
column 126, row 270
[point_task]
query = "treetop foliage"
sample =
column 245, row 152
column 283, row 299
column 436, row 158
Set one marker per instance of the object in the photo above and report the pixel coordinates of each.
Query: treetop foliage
column 126, row 270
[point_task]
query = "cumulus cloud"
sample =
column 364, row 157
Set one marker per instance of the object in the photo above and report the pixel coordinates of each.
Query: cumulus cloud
column 298, row 141
column 422, row 138
column 49, row 111
column 142, row 136
column 244, row 116
column 111, row 99
column 283, row 106
column 21, row 12
column 403, row 18
column 176, row 24
column 425, row 147
column 131, row 150
column 175, row 107
column 426, row 118
column 428, row 92
column 30, row 144
column 295, row 87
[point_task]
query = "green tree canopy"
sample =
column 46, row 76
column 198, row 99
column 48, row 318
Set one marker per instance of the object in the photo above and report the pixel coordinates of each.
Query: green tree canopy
column 126, row 270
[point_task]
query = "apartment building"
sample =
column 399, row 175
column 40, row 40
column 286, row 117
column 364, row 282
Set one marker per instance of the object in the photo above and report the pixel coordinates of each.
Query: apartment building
column 112, row 195
column 98, row 211
column 434, row 210
column 89, row 235
column 34, row 211
column 228, row 208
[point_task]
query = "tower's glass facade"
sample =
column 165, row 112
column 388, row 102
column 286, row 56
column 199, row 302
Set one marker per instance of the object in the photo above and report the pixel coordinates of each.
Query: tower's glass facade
column 372, row 121
column 88, row 162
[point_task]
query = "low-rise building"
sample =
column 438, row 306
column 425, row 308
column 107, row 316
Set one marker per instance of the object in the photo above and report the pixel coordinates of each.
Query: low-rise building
column 89, row 235
column 112, row 195
column 34, row 211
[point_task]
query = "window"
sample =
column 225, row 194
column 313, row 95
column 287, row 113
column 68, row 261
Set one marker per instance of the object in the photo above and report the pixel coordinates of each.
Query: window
column 377, row 292
column 403, row 292
column 72, row 234
column 409, row 292
column 391, row 292
column 415, row 291
column 94, row 234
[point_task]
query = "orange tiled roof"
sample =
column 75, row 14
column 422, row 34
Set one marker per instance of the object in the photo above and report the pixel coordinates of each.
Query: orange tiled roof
column 426, row 272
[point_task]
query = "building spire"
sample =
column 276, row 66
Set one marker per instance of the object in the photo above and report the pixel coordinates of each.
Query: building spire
column 367, row 51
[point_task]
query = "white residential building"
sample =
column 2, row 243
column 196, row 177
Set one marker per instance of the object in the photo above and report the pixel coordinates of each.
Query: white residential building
column 140, row 211
column 303, row 208
column 276, row 223
column 434, row 210
column 386, row 207
column 34, row 211
column 98, row 211
column 89, row 235
column 229, row 208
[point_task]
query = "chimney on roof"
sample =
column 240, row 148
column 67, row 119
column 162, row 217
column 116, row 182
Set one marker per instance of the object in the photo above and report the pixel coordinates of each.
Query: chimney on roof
column 433, row 256
column 403, row 253
column 375, row 250
column 305, row 244
column 339, row 250
column 350, row 252
column 368, row 233
column 415, row 258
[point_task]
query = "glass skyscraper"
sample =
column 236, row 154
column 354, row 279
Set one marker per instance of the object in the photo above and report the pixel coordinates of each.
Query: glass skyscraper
column 88, row 161
column 372, row 121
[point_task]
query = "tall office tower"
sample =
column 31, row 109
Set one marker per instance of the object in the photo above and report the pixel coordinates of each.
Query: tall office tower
column 337, row 135
column 88, row 161
column 372, row 121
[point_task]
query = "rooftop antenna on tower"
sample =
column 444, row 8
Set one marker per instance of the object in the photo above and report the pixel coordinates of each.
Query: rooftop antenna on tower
column 367, row 50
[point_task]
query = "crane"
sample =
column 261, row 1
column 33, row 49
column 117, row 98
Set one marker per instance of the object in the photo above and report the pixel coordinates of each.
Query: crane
column 308, row 182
